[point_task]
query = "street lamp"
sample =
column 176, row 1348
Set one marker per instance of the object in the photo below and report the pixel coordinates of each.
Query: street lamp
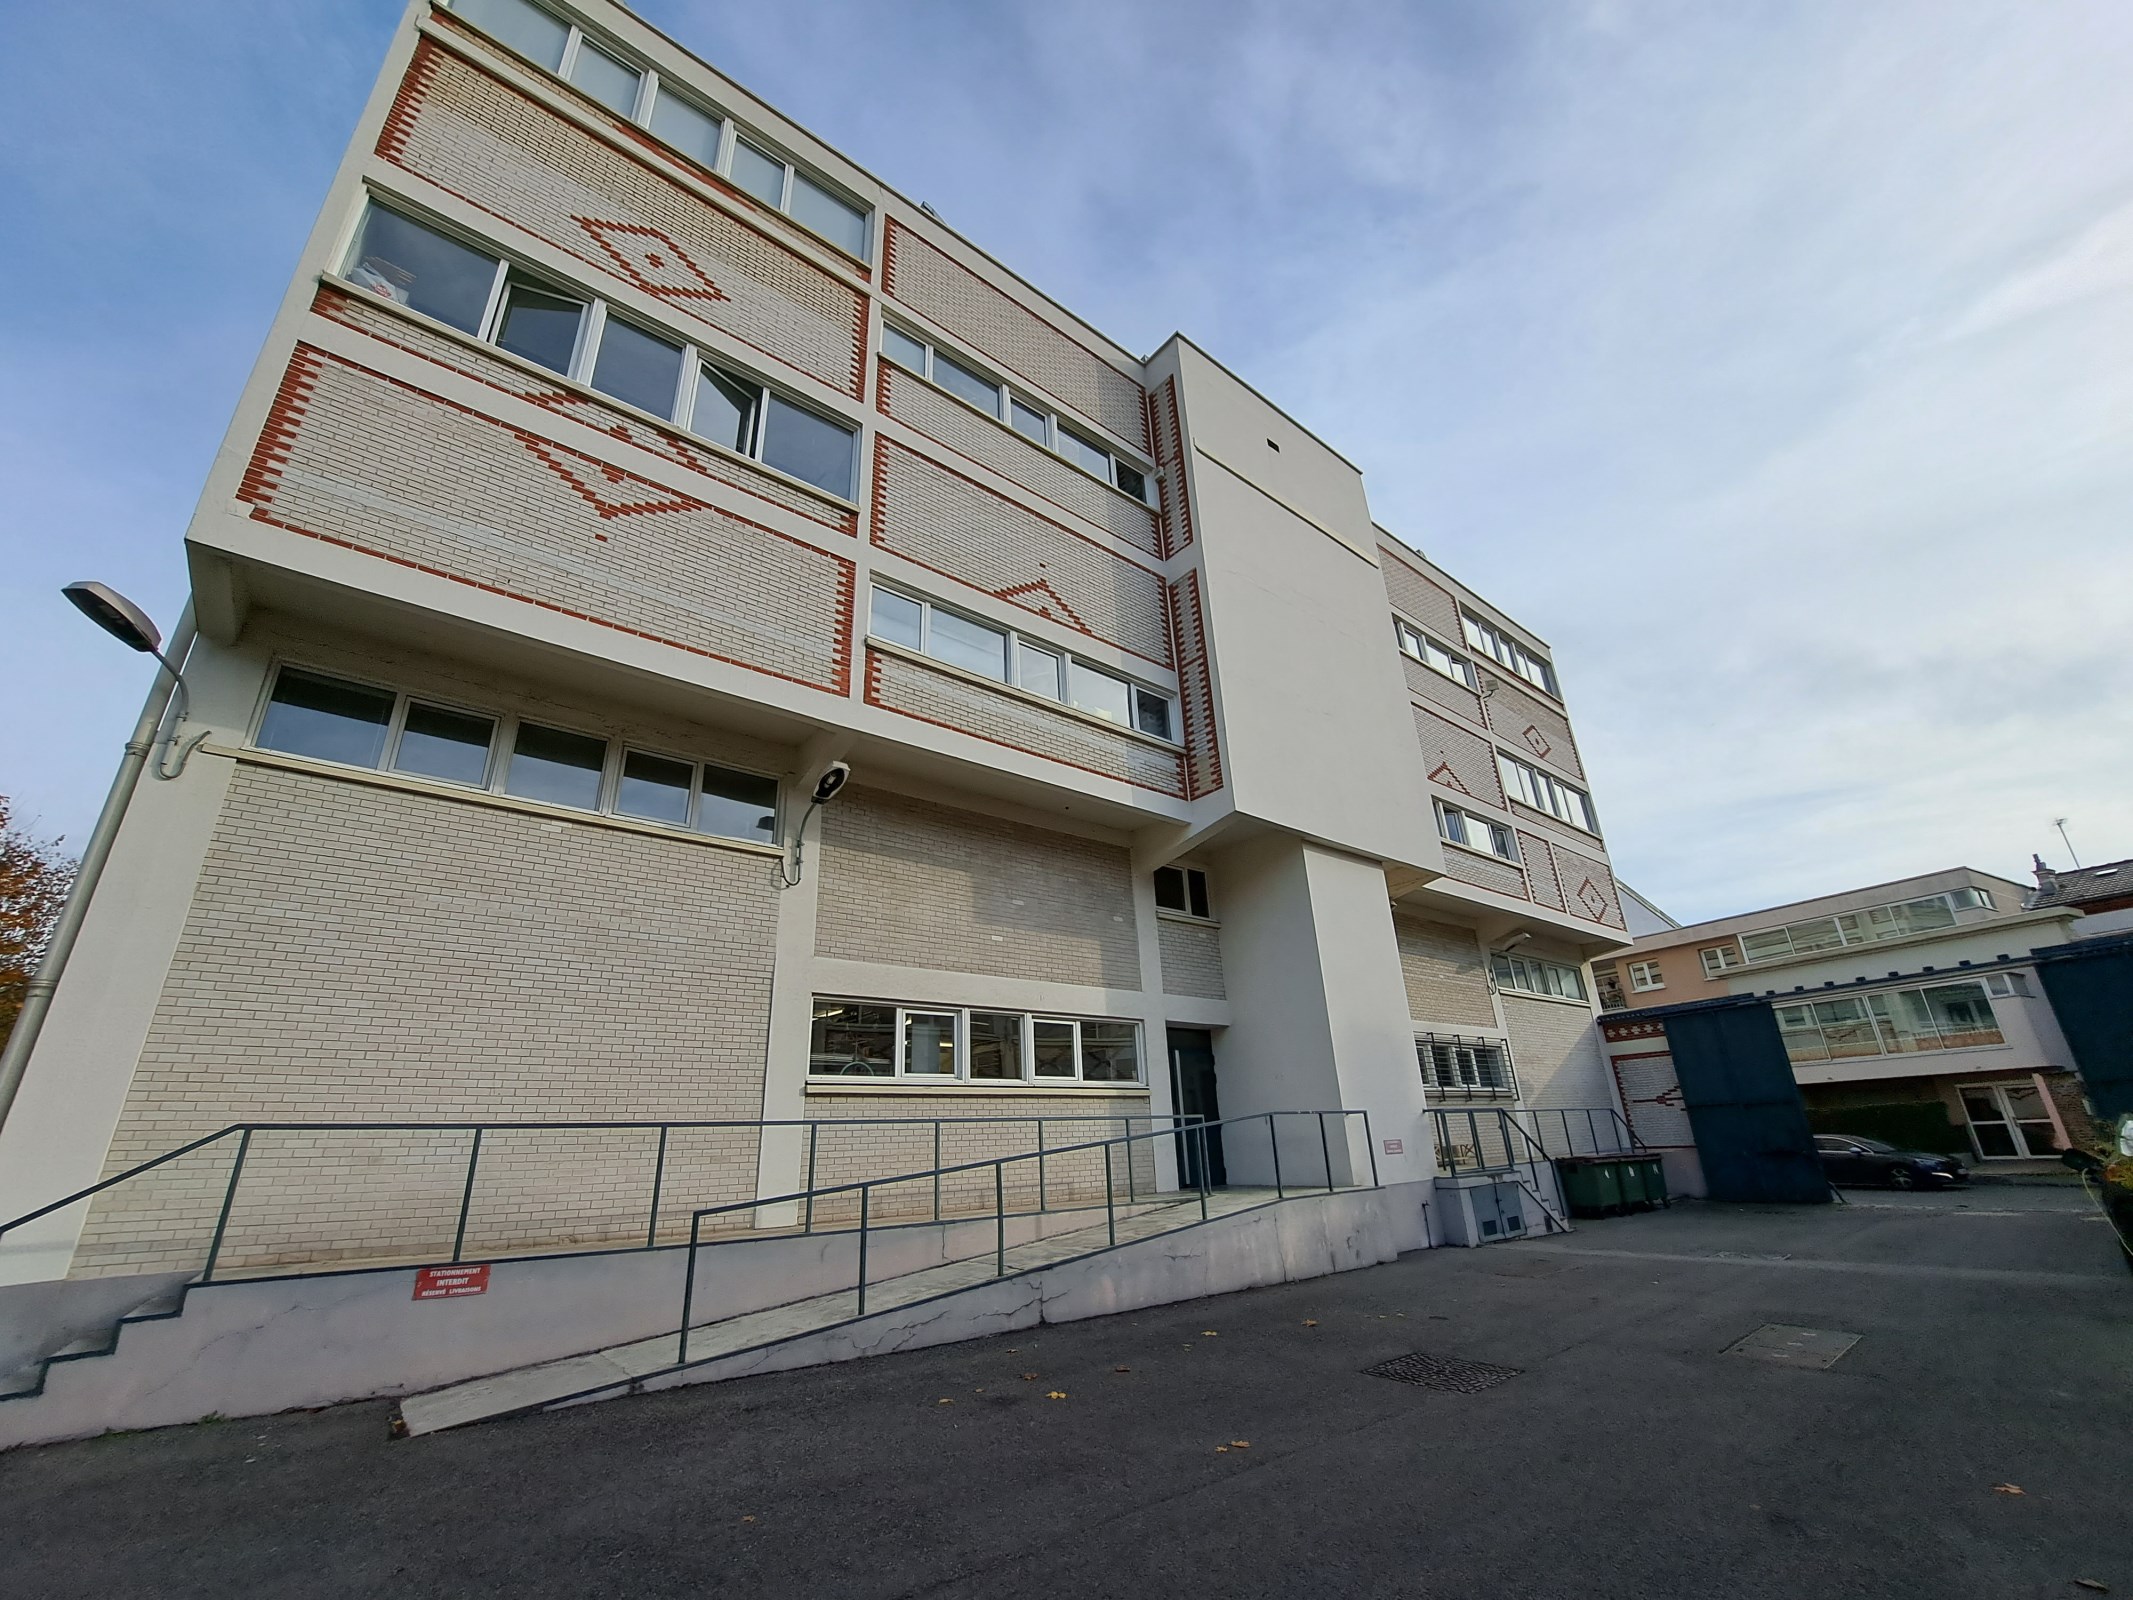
column 129, row 624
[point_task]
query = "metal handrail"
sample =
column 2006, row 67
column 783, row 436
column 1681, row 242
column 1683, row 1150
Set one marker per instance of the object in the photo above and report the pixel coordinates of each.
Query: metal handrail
column 1508, row 1121
column 244, row 1133
column 1195, row 1127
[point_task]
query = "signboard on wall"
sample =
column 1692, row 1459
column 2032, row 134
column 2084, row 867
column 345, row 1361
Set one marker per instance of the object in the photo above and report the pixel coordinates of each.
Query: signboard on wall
column 451, row 1283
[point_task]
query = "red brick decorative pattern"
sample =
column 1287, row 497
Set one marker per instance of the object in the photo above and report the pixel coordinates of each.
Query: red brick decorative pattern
column 1430, row 684
column 1010, row 335
column 669, row 443
column 1457, row 759
column 1588, row 887
column 358, row 459
column 951, row 524
column 1196, row 691
column 1169, row 442
column 1420, row 597
column 952, row 424
column 1540, row 871
column 496, row 148
column 1532, row 727
column 921, row 690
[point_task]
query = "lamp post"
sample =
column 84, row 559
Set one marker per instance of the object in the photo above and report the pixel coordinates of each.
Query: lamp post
column 129, row 624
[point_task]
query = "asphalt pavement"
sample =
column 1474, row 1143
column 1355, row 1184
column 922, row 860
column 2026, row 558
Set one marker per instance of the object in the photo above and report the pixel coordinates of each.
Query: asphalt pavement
column 1975, row 1440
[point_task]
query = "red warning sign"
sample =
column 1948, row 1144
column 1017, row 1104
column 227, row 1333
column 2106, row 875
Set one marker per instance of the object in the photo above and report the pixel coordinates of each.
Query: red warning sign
column 449, row 1283
column 1396, row 1147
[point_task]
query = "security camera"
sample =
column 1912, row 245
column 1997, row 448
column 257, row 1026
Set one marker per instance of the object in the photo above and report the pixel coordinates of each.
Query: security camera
column 834, row 777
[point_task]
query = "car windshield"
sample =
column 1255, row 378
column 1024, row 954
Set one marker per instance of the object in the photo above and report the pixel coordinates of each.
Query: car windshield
column 1875, row 1145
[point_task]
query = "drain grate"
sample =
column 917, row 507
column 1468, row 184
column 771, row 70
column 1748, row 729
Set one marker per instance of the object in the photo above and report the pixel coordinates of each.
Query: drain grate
column 1442, row 1372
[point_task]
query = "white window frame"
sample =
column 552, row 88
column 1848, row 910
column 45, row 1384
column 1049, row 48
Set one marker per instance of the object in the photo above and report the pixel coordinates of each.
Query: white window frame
column 1538, row 976
column 1188, row 876
column 1006, row 398
column 1543, row 791
column 904, row 1010
column 1419, row 646
column 1956, row 901
column 1456, row 825
column 1645, row 977
column 497, row 774
column 1728, row 958
column 1011, row 659
column 649, row 88
column 1462, row 1050
column 1493, row 641
column 592, row 330
column 1806, row 1020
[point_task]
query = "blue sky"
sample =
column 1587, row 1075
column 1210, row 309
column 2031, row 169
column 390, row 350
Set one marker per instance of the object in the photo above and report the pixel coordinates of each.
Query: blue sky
column 1772, row 361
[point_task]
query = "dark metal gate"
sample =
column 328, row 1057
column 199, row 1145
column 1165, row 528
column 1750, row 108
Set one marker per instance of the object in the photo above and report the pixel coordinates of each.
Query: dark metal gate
column 2090, row 985
column 1737, row 1086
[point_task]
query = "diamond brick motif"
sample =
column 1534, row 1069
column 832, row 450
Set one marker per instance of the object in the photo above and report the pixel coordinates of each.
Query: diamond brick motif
column 1594, row 902
column 1536, row 741
column 652, row 260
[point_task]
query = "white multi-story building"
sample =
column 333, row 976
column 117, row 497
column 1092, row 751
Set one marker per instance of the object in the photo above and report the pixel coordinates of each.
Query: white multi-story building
column 621, row 458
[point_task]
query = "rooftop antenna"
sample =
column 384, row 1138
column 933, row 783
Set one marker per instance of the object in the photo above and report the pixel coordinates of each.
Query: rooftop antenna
column 2060, row 824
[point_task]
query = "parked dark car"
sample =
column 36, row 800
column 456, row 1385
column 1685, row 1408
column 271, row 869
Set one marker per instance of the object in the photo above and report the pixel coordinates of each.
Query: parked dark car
column 1848, row 1159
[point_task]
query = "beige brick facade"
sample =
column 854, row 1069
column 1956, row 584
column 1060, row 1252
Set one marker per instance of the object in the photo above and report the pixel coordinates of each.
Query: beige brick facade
column 910, row 883
column 1192, row 958
column 1556, row 1051
column 1531, row 727
column 357, row 953
column 1447, row 977
column 1458, row 760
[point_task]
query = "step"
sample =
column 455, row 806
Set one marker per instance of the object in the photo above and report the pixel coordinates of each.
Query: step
column 530, row 1388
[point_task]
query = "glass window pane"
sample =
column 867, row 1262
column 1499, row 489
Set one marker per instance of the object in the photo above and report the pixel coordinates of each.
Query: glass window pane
column 1082, row 453
column 326, row 719
column 995, row 1044
column 1037, row 670
column 832, row 216
column 959, row 380
column 694, row 133
column 654, row 787
column 532, row 32
column 1130, row 480
column 1025, row 419
column 559, row 767
column 901, row 348
column 970, row 645
column 1170, row 888
column 421, row 269
column 1052, row 1046
column 1110, row 1052
column 897, row 618
column 813, row 449
column 1098, row 692
column 607, row 80
column 1452, row 824
column 1151, row 713
column 453, row 745
column 758, row 174
column 1196, row 887
column 638, row 367
column 725, row 410
column 540, row 326
column 852, row 1041
column 738, row 805
column 929, row 1043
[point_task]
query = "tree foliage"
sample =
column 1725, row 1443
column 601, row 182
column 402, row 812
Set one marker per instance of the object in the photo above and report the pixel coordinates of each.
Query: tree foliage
column 34, row 878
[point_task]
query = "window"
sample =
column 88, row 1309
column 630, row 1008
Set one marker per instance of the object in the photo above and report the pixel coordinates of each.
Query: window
column 1493, row 641
column 934, row 1043
column 1432, row 654
column 1816, row 934
column 1948, row 1016
column 1464, row 1066
column 1182, row 889
column 1720, row 958
column 1476, row 833
column 968, row 383
column 2005, row 984
column 578, row 336
column 1543, row 793
column 1607, row 988
column 700, row 134
column 357, row 725
column 1535, row 976
column 1001, row 654
column 1645, row 976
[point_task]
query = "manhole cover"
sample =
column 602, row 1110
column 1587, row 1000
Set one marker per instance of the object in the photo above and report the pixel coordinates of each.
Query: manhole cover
column 1794, row 1347
column 1442, row 1372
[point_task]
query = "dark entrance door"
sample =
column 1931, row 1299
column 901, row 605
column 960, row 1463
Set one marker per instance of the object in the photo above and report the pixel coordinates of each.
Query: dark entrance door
column 1192, row 1094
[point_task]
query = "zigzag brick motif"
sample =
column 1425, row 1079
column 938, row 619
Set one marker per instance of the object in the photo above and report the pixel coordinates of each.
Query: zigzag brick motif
column 1009, row 334
column 1196, row 689
column 355, row 458
column 475, row 136
column 399, row 330
column 1169, row 449
column 955, row 526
